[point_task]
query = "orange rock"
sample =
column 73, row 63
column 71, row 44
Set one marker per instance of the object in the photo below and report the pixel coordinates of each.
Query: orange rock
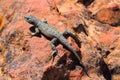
column 107, row 38
column 108, row 16
column 29, row 57
column 113, row 6
column 1, row 21
column 75, row 75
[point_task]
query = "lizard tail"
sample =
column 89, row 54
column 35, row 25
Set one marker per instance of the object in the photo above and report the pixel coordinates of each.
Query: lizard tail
column 84, row 69
column 65, row 43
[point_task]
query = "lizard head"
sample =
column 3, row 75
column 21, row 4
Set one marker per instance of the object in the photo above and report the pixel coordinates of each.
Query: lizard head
column 31, row 19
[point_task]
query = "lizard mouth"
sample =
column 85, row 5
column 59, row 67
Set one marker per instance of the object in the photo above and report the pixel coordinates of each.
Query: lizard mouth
column 26, row 18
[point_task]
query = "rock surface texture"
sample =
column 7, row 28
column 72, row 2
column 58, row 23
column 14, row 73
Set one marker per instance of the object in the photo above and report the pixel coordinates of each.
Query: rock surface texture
column 96, row 23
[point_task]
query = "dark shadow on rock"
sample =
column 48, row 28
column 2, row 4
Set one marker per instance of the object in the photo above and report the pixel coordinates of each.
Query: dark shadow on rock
column 80, row 28
column 56, row 73
column 105, row 70
column 62, row 60
column 104, row 52
column 115, row 70
column 75, row 60
column 85, row 2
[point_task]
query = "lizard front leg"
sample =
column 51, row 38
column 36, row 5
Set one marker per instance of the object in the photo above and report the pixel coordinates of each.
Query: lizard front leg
column 35, row 32
column 66, row 34
column 53, row 46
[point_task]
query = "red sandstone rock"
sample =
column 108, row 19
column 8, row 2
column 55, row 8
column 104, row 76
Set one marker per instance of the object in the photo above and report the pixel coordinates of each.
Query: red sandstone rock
column 26, row 58
column 113, row 6
column 108, row 16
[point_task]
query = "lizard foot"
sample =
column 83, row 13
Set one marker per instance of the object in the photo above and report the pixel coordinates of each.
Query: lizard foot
column 54, row 54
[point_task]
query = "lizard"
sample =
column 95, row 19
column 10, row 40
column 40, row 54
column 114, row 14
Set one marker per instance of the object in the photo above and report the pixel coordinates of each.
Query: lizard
column 42, row 27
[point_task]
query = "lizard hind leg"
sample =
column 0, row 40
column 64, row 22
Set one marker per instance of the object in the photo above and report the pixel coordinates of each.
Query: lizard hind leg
column 67, row 33
column 54, row 43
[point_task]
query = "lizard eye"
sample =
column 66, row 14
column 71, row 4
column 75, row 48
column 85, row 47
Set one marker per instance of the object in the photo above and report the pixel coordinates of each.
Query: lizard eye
column 29, row 19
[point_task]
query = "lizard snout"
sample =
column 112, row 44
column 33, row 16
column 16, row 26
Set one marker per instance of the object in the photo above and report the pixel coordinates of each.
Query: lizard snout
column 26, row 18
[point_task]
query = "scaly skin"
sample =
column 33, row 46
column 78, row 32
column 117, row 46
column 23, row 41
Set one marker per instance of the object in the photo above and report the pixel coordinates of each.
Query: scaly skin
column 50, row 32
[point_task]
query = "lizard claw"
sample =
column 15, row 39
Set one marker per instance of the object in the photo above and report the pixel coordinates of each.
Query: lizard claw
column 54, row 54
column 32, row 34
column 74, row 33
column 29, row 34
